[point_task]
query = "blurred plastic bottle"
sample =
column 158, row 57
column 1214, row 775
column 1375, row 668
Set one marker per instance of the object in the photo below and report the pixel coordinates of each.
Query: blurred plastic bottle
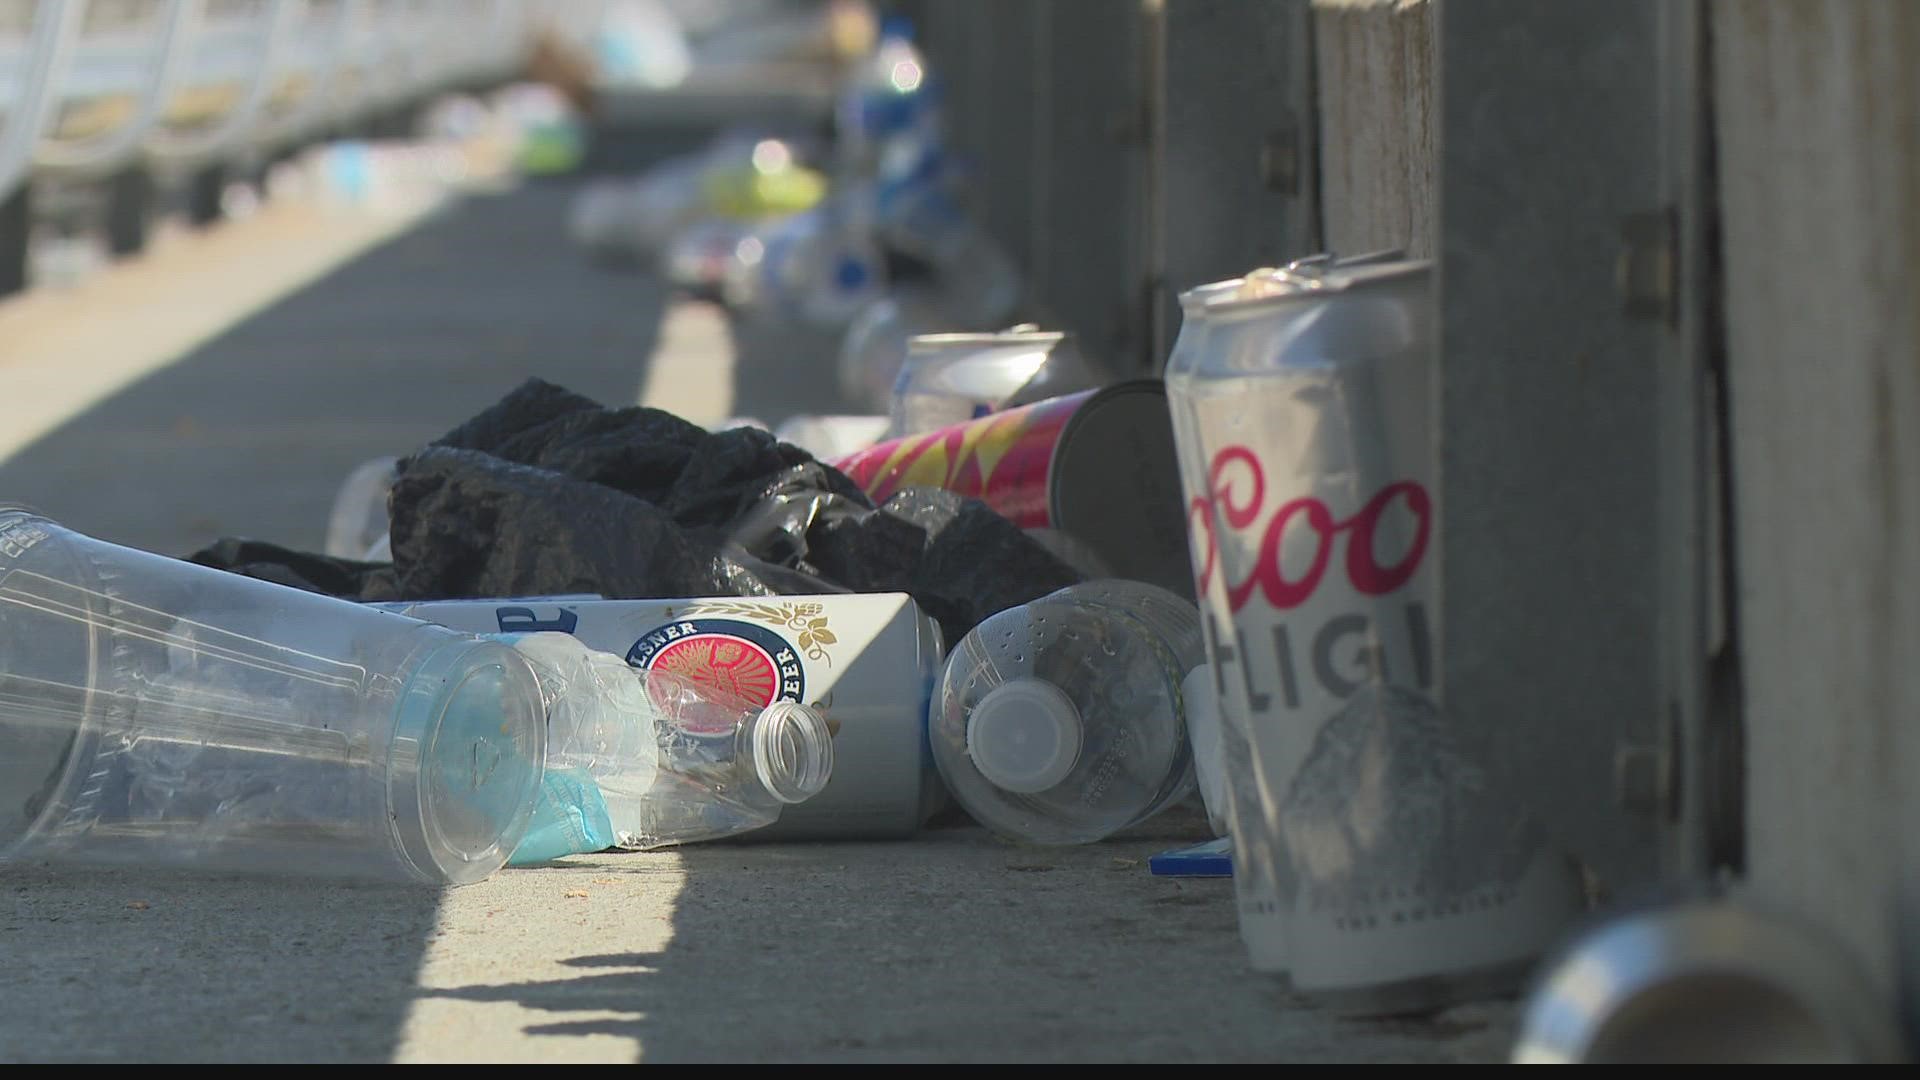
column 546, row 134
column 641, row 43
column 820, row 267
column 634, row 220
column 888, row 102
column 643, row 759
column 159, row 713
column 765, row 178
column 831, row 437
column 704, row 259
column 740, row 178
column 917, row 212
column 978, row 280
column 1061, row 721
column 874, row 348
column 640, row 217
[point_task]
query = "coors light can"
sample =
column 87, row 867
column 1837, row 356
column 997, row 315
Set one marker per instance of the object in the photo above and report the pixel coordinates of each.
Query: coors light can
column 1408, row 880
column 1257, row 868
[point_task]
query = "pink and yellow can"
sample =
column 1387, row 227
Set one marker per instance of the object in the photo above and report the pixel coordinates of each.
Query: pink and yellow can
column 1098, row 466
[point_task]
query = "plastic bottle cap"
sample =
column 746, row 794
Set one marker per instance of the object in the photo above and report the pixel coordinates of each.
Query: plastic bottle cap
column 1024, row 735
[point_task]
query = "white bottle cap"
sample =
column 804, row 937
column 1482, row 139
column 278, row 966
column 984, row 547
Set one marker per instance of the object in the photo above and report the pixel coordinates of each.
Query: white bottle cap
column 1024, row 735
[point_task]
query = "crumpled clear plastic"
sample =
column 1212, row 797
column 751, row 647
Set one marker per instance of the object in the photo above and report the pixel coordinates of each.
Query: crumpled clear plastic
column 874, row 348
column 649, row 759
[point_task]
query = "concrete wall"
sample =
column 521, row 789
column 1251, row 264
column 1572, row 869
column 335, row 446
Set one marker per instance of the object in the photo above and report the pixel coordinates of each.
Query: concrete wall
column 1378, row 99
column 1583, row 422
column 1049, row 102
column 1238, row 183
column 1127, row 150
column 1819, row 129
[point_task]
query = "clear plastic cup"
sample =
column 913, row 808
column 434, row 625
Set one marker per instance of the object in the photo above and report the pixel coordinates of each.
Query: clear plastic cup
column 164, row 714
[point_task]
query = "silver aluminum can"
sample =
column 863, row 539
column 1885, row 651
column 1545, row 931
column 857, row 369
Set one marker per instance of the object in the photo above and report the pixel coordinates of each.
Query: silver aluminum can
column 1256, row 869
column 950, row 379
column 1408, row 880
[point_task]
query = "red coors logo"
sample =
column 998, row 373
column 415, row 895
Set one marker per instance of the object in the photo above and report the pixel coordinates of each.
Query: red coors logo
column 1237, row 490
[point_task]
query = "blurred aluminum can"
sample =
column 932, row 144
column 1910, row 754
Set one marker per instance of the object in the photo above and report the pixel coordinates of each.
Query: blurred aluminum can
column 953, row 378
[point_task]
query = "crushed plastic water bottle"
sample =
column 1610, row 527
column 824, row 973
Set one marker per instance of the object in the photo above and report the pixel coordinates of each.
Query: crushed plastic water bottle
column 643, row 759
column 1062, row 721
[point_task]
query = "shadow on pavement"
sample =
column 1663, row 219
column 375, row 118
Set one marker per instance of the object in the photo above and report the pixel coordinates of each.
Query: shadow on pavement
column 111, row 965
column 953, row 947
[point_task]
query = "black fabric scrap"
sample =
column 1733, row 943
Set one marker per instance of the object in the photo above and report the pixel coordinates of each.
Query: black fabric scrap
column 547, row 492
